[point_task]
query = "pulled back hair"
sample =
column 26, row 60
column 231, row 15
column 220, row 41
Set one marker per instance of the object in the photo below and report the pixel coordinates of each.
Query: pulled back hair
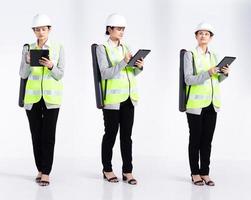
column 106, row 31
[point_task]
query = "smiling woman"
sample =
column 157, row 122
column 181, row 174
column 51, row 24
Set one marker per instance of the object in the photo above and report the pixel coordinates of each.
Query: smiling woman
column 43, row 95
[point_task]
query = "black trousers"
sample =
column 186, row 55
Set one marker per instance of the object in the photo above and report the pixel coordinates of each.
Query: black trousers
column 43, row 128
column 121, row 119
column 201, row 128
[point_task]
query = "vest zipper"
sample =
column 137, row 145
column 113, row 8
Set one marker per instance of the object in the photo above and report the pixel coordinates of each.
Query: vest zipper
column 212, row 84
column 42, row 83
column 129, row 82
column 212, row 90
column 127, row 74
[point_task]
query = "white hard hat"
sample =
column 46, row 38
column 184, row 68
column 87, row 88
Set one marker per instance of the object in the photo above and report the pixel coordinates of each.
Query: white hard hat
column 41, row 20
column 204, row 26
column 116, row 20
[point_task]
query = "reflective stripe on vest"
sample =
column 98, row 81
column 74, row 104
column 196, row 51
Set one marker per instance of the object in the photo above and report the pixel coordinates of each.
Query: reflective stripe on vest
column 40, row 82
column 202, row 95
column 37, row 77
column 123, row 84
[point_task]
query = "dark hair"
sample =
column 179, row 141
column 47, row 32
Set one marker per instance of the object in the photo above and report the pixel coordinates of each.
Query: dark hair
column 106, row 31
column 211, row 34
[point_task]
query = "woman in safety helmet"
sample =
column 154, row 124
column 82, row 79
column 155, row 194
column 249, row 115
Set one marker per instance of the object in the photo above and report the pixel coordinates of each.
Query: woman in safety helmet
column 43, row 94
column 120, row 96
column 203, row 102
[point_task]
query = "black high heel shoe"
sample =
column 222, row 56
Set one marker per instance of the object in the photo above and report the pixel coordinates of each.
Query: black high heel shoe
column 44, row 183
column 111, row 180
column 131, row 181
column 38, row 179
column 209, row 183
column 198, row 183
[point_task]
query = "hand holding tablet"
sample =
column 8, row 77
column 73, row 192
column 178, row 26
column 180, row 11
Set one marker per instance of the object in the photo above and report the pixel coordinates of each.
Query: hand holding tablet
column 225, row 62
column 142, row 53
column 36, row 56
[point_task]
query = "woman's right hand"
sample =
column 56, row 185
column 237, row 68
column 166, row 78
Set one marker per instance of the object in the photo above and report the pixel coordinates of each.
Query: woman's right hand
column 27, row 58
column 213, row 70
column 127, row 57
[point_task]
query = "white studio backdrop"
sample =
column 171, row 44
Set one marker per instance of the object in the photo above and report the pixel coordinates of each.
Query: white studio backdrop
column 163, row 26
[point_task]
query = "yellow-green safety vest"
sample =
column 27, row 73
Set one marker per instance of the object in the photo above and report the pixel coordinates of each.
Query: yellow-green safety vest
column 123, row 84
column 40, row 82
column 202, row 95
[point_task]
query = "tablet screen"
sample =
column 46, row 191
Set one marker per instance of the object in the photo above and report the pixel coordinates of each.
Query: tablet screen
column 142, row 53
column 36, row 55
column 227, row 60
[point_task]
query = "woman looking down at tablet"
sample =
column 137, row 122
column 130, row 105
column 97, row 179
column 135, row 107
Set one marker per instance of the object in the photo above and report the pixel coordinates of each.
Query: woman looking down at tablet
column 203, row 103
column 120, row 97
column 43, row 95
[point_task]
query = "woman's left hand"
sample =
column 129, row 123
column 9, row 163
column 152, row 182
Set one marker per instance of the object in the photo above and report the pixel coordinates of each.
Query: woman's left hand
column 46, row 62
column 140, row 63
column 225, row 70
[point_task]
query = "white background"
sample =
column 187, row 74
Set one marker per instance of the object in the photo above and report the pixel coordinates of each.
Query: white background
column 165, row 27
column 160, row 131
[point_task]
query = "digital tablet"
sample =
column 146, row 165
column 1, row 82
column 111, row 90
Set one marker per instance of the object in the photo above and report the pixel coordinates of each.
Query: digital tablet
column 142, row 53
column 227, row 60
column 36, row 55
